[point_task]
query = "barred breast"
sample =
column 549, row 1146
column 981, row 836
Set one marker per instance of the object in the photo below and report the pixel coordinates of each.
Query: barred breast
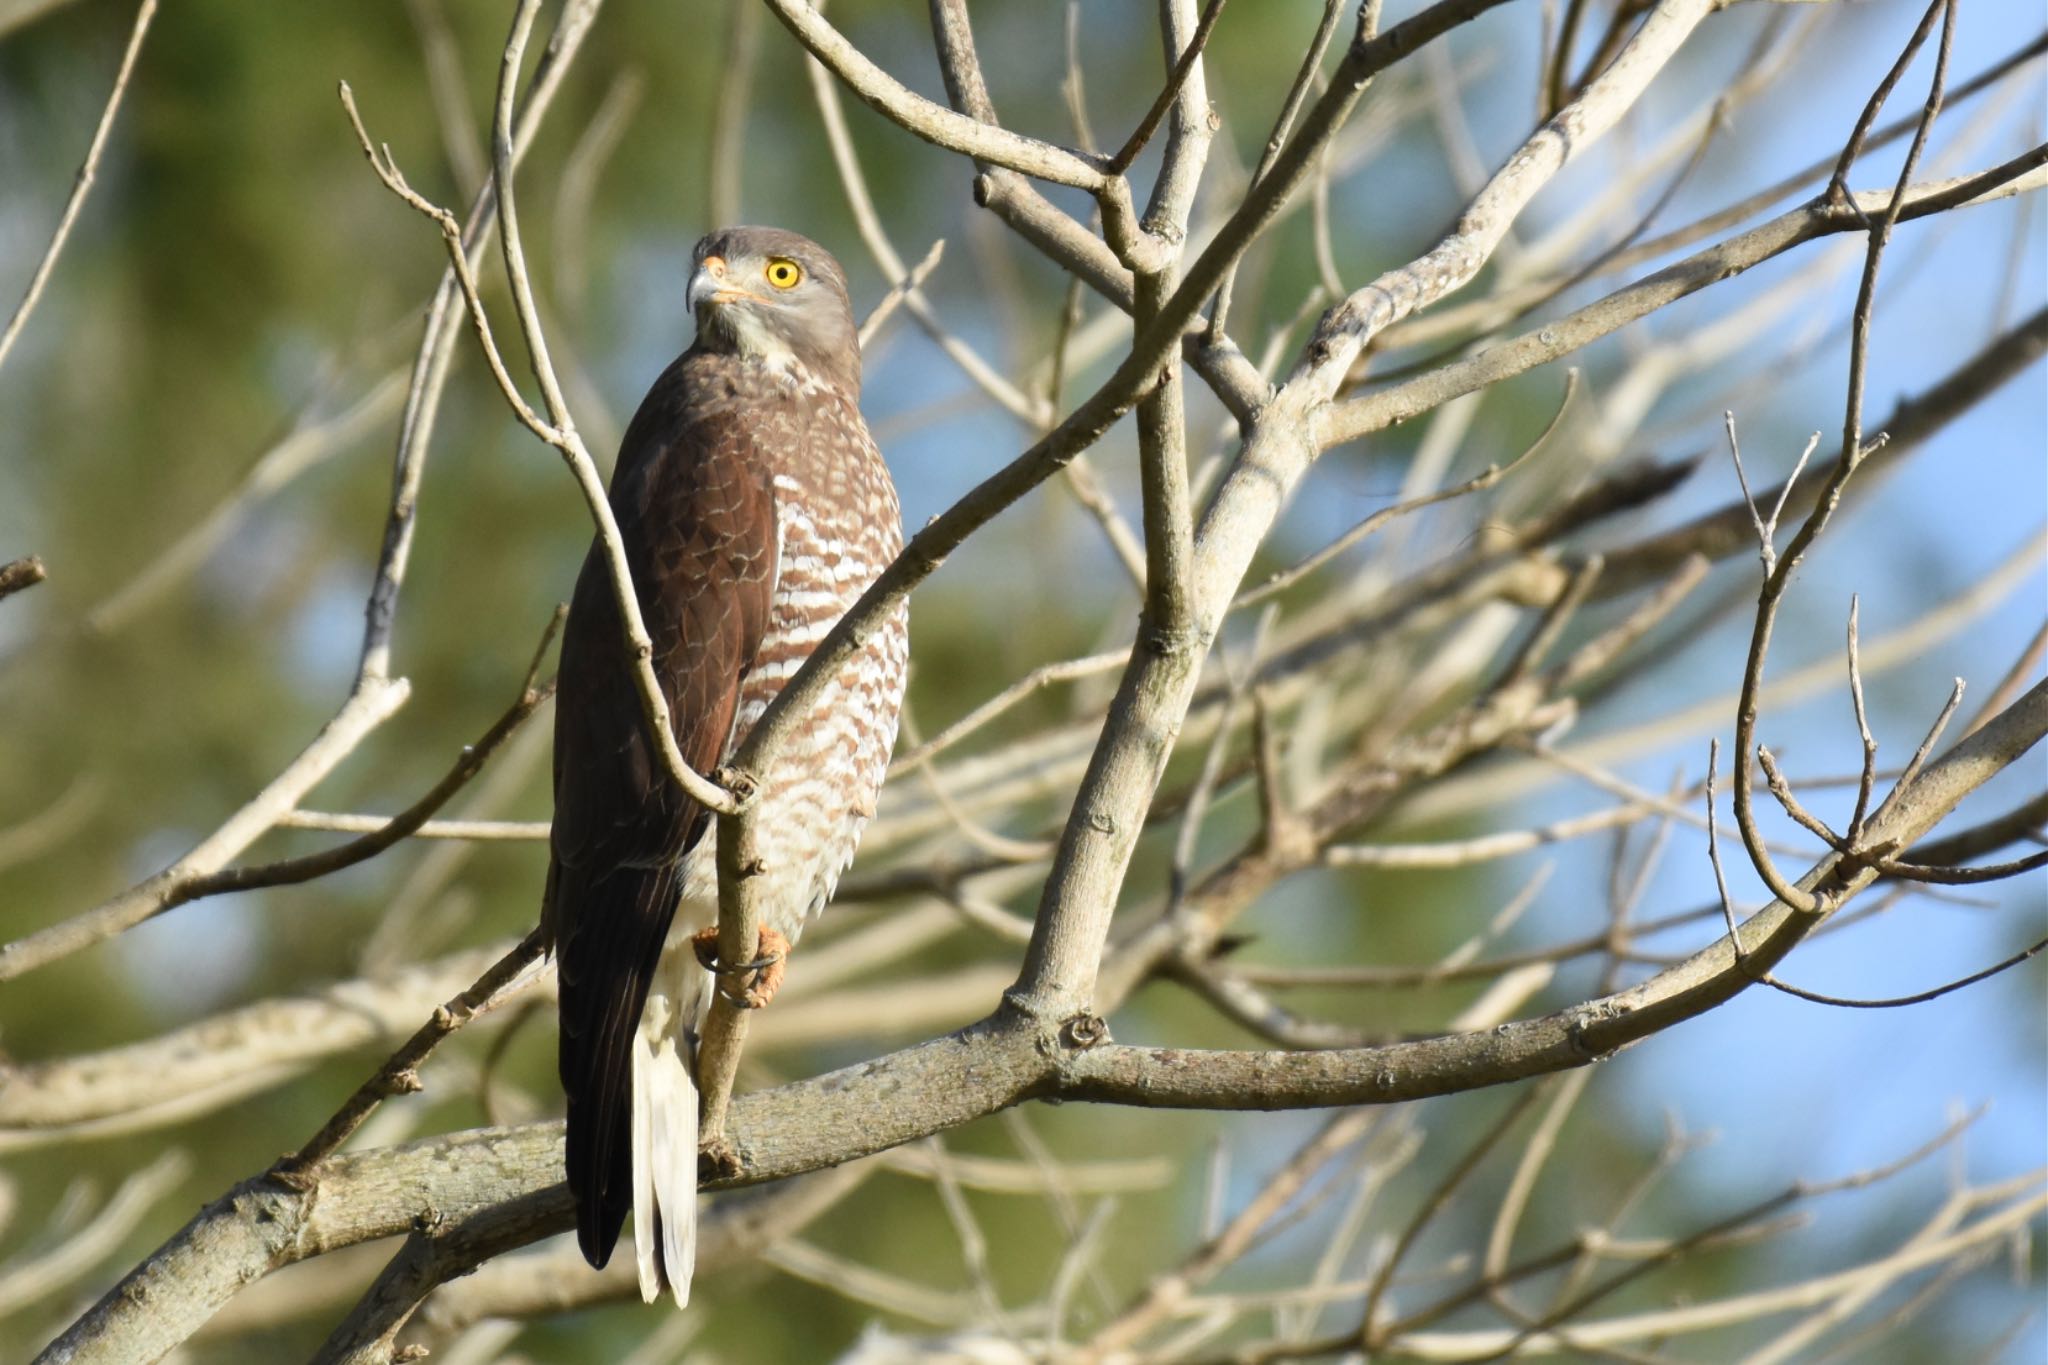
column 839, row 525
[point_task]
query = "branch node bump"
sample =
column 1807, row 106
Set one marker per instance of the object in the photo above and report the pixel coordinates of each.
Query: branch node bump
column 718, row 1160
column 1171, row 642
column 743, row 785
column 1585, row 1020
column 1082, row 1031
column 294, row 1177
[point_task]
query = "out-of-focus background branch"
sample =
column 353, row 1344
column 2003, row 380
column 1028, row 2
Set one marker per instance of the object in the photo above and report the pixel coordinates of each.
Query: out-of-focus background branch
column 1334, row 733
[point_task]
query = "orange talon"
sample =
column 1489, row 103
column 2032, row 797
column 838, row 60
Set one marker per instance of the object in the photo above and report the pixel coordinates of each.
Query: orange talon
column 770, row 953
column 704, row 943
column 765, row 971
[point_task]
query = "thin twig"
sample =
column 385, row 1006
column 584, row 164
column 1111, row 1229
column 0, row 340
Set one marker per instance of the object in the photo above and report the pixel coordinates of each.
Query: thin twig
column 985, row 376
column 400, row 1073
column 585, row 165
column 728, row 131
column 485, row 831
column 1486, row 479
column 1919, row 998
column 1369, row 1332
column 1933, row 735
column 1067, row 670
column 1175, row 79
column 470, row 762
column 1283, row 124
column 885, row 307
column 2015, row 678
column 461, row 141
column 307, row 445
column 1838, row 180
column 1169, row 1290
column 1867, row 778
column 17, row 574
column 82, row 186
column 555, row 429
column 1195, row 810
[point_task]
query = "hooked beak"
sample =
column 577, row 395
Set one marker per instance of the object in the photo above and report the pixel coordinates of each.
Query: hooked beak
column 708, row 286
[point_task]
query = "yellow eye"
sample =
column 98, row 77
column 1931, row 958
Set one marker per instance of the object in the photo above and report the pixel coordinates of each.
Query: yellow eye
column 783, row 273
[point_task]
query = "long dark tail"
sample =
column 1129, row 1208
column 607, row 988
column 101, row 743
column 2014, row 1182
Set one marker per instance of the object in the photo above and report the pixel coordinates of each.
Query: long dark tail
column 612, row 924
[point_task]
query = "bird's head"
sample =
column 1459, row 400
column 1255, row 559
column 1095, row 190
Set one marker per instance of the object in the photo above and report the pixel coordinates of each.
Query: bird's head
column 774, row 296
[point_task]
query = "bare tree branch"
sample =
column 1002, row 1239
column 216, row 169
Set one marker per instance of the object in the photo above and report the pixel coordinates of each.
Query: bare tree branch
column 82, row 185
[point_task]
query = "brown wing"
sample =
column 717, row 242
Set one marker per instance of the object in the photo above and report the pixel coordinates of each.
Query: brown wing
column 698, row 523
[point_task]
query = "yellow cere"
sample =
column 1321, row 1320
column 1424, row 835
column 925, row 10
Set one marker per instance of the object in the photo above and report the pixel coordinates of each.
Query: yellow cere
column 783, row 273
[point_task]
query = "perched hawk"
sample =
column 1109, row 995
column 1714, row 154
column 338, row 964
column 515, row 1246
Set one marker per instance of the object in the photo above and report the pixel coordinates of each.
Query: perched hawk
column 754, row 509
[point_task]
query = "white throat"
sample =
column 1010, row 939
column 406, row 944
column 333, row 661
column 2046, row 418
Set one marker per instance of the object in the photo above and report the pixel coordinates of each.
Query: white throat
column 750, row 338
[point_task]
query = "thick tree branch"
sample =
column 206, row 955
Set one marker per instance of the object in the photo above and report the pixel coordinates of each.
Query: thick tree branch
column 1001, row 1061
column 1459, row 679
column 1060, row 968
